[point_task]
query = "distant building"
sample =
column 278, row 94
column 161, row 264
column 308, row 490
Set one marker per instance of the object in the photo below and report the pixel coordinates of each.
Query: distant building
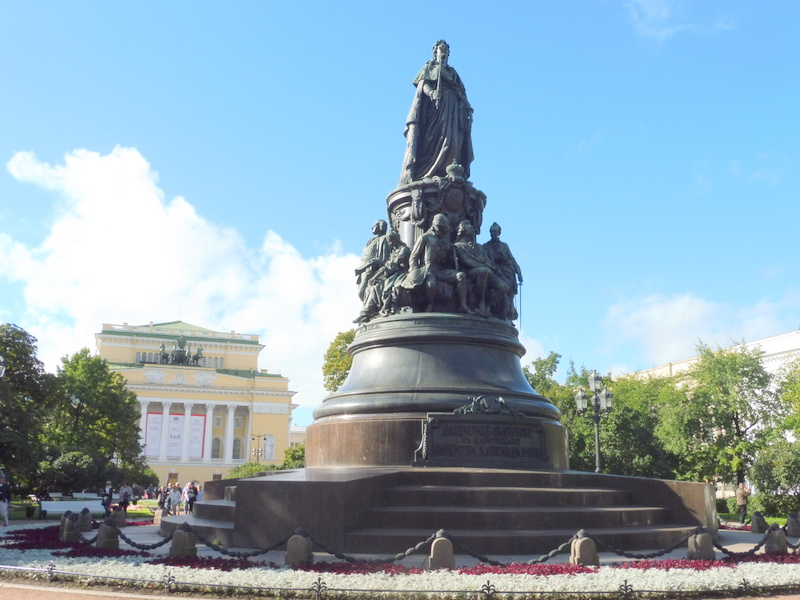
column 297, row 436
column 201, row 413
column 778, row 351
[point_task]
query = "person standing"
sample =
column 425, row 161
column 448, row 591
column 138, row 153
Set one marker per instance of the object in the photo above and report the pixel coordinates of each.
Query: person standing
column 161, row 496
column 742, row 498
column 107, row 496
column 191, row 496
column 174, row 500
column 125, row 496
column 5, row 499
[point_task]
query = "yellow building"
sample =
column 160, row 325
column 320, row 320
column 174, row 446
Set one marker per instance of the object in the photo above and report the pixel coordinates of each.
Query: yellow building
column 205, row 405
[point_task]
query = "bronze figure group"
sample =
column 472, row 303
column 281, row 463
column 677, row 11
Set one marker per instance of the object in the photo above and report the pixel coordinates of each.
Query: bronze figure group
column 440, row 275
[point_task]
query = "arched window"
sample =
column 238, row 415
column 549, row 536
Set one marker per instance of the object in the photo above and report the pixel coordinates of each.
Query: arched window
column 139, row 357
column 237, row 449
column 222, row 363
column 216, row 447
column 216, row 360
column 149, row 357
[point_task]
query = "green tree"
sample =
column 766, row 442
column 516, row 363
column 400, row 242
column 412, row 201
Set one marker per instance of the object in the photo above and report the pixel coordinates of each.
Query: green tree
column 790, row 393
column 627, row 442
column 26, row 396
column 729, row 409
column 249, row 469
column 630, row 446
column 294, row 458
column 337, row 363
column 776, row 475
column 95, row 413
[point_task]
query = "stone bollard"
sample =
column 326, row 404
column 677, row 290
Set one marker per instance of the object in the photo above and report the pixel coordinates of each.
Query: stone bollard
column 119, row 517
column 184, row 542
column 158, row 515
column 62, row 523
column 776, row 542
column 442, row 556
column 107, row 537
column 701, row 547
column 299, row 551
column 583, row 551
column 793, row 526
column 86, row 520
column 72, row 528
column 758, row 523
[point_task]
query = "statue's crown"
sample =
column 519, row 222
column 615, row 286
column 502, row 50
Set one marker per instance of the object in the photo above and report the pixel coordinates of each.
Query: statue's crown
column 455, row 170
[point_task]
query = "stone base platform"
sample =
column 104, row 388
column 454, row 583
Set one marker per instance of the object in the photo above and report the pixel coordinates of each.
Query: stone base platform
column 491, row 511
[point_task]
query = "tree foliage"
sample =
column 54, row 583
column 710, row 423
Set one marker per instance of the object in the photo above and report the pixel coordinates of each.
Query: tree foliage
column 293, row 458
column 26, row 396
column 790, row 394
column 729, row 408
column 337, row 363
column 776, row 475
column 627, row 442
column 95, row 411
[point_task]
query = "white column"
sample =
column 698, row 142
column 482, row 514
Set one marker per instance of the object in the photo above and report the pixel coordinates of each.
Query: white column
column 187, row 423
column 162, row 455
column 229, row 434
column 143, row 404
column 208, row 433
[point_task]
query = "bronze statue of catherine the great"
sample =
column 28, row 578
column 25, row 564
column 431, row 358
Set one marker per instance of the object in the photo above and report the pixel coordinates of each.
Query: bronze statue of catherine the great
column 439, row 124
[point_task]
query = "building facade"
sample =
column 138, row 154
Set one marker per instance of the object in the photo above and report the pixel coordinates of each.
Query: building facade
column 778, row 351
column 205, row 406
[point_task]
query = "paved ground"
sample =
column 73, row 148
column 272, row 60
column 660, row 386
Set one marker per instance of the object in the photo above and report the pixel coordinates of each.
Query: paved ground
column 738, row 541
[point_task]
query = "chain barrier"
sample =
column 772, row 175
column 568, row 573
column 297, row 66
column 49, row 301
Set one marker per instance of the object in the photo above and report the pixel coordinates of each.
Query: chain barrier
column 456, row 543
column 352, row 559
column 648, row 555
column 217, row 548
column 753, row 550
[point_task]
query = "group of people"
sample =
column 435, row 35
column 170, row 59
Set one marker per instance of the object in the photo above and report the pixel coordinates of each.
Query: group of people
column 484, row 277
column 171, row 497
column 176, row 499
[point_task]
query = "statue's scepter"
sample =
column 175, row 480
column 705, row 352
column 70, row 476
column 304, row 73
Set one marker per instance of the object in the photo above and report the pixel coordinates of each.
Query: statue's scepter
column 438, row 86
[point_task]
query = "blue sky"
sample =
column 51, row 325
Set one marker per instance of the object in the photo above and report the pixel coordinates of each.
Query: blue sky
column 642, row 157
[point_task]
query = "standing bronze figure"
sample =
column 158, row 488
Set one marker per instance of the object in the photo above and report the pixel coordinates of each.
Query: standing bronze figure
column 439, row 124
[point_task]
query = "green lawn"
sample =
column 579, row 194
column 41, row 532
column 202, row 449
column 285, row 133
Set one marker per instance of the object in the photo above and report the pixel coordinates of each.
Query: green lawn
column 140, row 511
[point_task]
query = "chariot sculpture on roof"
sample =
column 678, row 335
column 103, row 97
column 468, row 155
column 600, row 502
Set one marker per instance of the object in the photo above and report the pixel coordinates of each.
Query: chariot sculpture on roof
column 181, row 353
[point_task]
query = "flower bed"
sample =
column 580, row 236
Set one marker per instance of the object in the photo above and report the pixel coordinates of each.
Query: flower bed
column 35, row 547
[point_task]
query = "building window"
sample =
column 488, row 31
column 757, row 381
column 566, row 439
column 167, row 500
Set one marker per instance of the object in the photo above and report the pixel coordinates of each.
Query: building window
column 222, row 363
column 149, row 357
column 216, row 361
column 217, row 421
column 216, row 445
column 139, row 357
column 237, row 449
column 237, row 422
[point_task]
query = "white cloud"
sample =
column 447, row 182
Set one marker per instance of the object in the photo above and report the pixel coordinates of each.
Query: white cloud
column 659, row 20
column 668, row 328
column 117, row 251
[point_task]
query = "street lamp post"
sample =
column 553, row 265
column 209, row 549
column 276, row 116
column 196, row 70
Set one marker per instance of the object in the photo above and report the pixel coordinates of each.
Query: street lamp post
column 601, row 403
column 258, row 451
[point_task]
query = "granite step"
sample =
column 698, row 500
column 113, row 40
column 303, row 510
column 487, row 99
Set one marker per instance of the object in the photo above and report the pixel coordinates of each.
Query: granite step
column 514, row 517
column 433, row 495
column 517, row 541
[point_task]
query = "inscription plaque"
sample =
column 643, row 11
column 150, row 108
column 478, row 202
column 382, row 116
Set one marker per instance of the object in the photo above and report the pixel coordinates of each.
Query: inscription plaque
column 492, row 441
